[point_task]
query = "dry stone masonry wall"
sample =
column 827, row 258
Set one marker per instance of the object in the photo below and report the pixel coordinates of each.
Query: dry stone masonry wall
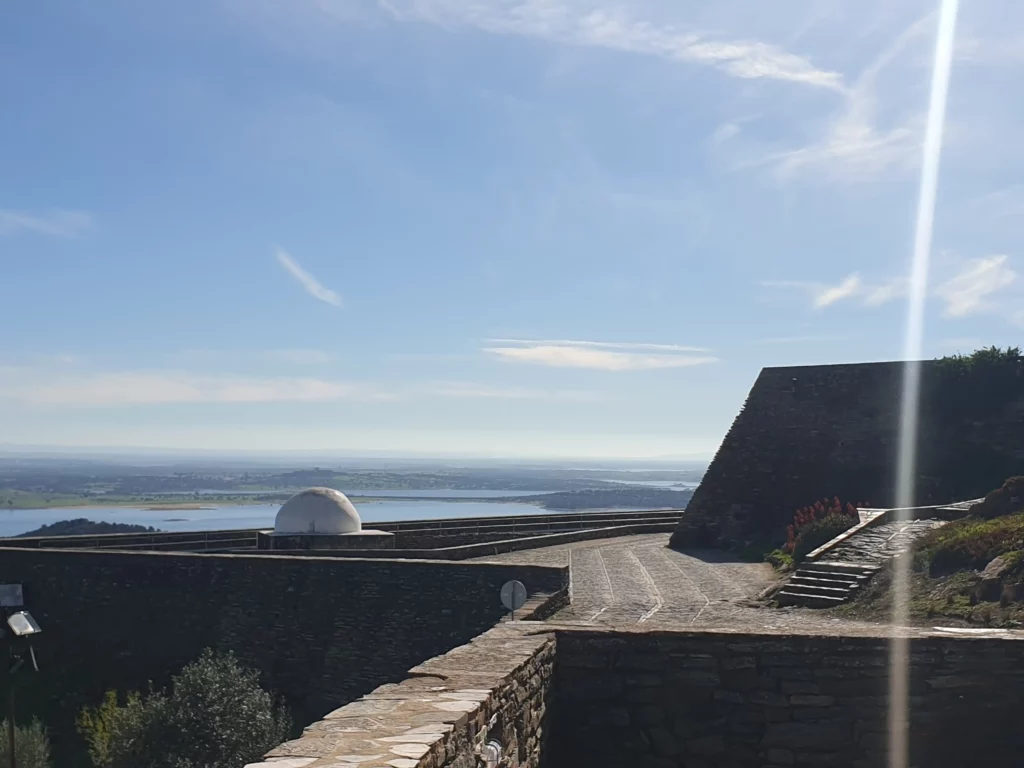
column 713, row 700
column 320, row 631
column 495, row 689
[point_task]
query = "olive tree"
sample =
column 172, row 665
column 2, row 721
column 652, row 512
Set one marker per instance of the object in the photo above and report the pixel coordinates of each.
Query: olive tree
column 32, row 747
column 215, row 715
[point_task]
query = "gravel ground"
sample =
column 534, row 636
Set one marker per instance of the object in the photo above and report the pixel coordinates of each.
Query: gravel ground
column 638, row 580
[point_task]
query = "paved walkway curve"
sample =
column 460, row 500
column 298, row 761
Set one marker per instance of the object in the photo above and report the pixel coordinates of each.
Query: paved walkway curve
column 638, row 580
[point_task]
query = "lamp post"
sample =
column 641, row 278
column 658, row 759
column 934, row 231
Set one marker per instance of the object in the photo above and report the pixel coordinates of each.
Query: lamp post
column 11, row 750
column 20, row 624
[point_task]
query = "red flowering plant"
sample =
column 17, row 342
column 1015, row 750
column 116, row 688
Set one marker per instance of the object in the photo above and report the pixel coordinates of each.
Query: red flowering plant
column 805, row 516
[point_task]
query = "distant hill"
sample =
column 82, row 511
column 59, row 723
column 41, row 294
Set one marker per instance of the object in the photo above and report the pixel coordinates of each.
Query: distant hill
column 81, row 526
column 612, row 498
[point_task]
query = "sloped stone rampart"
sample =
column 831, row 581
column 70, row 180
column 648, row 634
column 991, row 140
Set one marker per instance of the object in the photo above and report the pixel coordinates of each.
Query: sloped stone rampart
column 814, row 432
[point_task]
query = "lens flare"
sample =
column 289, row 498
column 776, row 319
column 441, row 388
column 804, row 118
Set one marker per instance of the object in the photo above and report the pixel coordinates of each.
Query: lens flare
column 899, row 670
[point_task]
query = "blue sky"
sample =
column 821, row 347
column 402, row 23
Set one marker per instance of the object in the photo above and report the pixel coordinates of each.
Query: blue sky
column 526, row 228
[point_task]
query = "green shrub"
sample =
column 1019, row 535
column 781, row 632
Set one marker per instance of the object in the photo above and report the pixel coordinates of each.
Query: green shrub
column 970, row 543
column 819, row 532
column 779, row 559
column 996, row 372
column 985, row 360
column 215, row 716
column 31, row 745
column 95, row 726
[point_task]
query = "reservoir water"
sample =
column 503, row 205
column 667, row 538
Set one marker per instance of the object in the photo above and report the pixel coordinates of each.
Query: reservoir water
column 214, row 517
column 387, row 493
column 668, row 485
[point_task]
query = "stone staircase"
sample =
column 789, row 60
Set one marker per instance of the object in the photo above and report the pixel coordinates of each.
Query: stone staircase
column 824, row 584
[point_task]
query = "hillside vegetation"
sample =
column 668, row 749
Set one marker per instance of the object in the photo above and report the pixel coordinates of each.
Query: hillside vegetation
column 81, row 526
column 970, row 570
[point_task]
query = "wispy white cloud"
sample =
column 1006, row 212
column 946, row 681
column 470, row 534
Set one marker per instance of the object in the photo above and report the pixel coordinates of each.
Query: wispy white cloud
column 855, row 147
column 724, row 132
column 155, row 387
column 850, row 287
column 1004, row 203
column 202, row 358
column 310, row 284
column 884, row 292
column 52, row 223
column 599, row 356
column 969, row 291
column 469, row 390
column 829, row 295
column 598, row 344
column 614, row 29
column 988, row 52
column 810, row 339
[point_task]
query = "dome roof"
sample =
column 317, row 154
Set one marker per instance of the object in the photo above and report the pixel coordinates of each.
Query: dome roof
column 318, row 510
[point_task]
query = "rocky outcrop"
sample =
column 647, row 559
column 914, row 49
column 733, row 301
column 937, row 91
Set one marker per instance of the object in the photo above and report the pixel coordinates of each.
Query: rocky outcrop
column 1005, row 500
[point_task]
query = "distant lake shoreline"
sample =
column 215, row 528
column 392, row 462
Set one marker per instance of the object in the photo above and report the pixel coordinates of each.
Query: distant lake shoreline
column 247, row 516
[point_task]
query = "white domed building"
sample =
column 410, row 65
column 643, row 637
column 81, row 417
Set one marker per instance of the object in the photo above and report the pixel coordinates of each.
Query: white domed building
column 318, row 510
column 322, row 518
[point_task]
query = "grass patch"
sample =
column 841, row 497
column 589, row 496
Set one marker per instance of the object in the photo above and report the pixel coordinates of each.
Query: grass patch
column 969, row 544
column 12, row 499
column 946, row 601
column 780, row 560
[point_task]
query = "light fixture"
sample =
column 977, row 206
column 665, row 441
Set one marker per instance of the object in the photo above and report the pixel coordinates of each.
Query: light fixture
column 490, row 754
column 22, row 624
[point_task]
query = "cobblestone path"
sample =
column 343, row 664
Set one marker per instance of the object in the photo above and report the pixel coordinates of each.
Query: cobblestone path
column 877, row 544
column 638, row 580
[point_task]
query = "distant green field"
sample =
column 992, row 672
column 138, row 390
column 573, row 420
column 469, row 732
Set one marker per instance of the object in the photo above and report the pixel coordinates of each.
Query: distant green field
column 11, row 499
column 29, row 500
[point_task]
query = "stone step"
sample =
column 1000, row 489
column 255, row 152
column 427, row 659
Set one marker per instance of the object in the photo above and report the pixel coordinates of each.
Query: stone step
column 838, row 587
column 798, row 596
column 841, row 567
column 838, row 574
column 829, row 579
column 818, row 589
column 846, row 578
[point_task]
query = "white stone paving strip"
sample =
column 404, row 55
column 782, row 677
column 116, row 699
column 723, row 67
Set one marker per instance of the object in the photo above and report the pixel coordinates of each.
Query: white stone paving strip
column 655, row 592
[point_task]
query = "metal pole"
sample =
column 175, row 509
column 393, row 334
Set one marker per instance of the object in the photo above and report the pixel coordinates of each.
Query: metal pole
column 10, row 712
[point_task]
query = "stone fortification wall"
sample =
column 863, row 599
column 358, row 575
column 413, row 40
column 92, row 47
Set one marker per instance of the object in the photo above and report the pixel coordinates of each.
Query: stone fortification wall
column 807, row 433
column 409, row 534
column 706, row 700
column 466, row 551
column 320, row 631
column 495, row 688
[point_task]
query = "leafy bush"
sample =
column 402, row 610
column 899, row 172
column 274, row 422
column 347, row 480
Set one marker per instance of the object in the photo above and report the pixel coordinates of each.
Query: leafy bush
column 970, row 543
column 986, row 359
column 997, row 373
column 31, row 745
column 819, row 532
column 779, row 559
column 215, row 716
column 1006, row 500
column 807, row 516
